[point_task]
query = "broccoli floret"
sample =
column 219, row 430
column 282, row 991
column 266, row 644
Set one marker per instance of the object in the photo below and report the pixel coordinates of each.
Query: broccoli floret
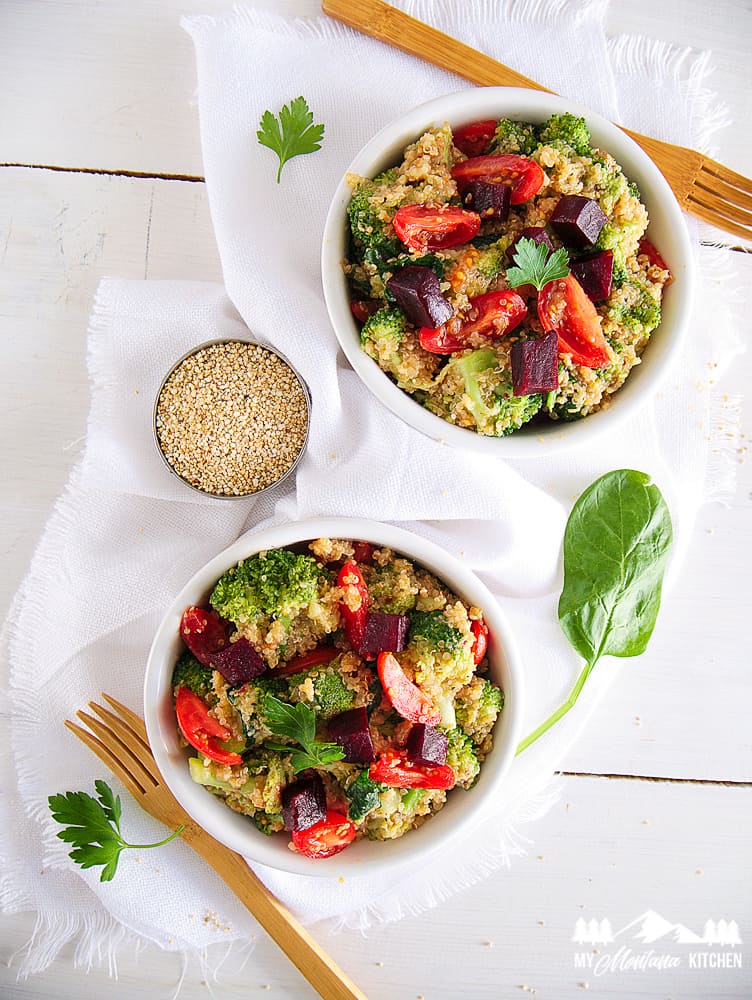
column 462, row 759
column 330, row 693
column 638, row 310
column 477, row 265
column 514, row 137
column 278, row 583
column 382, row 333
column 195, row 676
column 477, row 707
column 279, row 772
column 368, row 230
column 569, row 129
column 471, row 365
column 634, row 190
column 433, row 628
column 248, row 702
column 269, row 823
column 393, row 588
column 363, row 795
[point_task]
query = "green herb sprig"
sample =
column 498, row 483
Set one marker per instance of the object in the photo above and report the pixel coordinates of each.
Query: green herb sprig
column 292, row 134
column 616, row 547
column 93, row 827
column 298, row 722
column 536, row 265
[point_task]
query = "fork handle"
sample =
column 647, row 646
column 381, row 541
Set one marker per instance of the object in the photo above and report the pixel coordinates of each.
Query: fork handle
column 382, row 21
column 319, row 969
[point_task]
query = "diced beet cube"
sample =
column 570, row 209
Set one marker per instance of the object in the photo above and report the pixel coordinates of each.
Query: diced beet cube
column 578, row 221
column 537, row 234
column 303, row 803
column 489, row 200
column 350, row 730
column 426, row 745
column 417, row 292
column 535, row 365
column 595, row 274
column 238, row 663
column 383, row 633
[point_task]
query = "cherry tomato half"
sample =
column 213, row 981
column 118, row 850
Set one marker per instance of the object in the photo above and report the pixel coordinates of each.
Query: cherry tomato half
column 201, row 729
column 480, row 630
column 317, row 657
column 494, row 314
column 395, row 768
column 653, row 256
column 327, row 837
column 404, row 696
column 563, row 306
column 204, row 633
column 351, row 580
column 435, row 227
column 474, row 140
column 525, row 175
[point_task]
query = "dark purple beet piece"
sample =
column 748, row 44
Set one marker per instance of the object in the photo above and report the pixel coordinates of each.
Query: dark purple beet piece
column 303, row 803
column 535, row 365
column 426, row 745
column 383, row 633
column 417, row 291
column 537, row 234
column 595, row 274
column 578, row 221
column 489, row 200
column 350, row 730
column 239, row 662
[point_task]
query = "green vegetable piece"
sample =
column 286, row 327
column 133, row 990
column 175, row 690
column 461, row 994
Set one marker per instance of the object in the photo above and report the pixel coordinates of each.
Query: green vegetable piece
column 93, row 827
column 569, row 129
column 293, row 134
column 203, row 774
column 514, row 137
column 298, row 723
column 382, row 332
column 363, row 795
column 535, row 265
column 462, row 759
column 434, row 629
column 190, row 673
column 269, row 823
column 279, row 583
column 616, row 547
column 412, row 797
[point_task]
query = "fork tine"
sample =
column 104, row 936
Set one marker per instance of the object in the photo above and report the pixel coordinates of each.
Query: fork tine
column 122, row 750
column 711, row 200
column 108, row 758
column 124, row 726
column 723, row 190
column 698, row 209
column 132, row 740
column 727, row 175
column 136, row 723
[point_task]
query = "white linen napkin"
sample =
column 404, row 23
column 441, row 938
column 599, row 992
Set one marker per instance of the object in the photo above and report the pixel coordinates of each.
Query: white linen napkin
column 125, row 535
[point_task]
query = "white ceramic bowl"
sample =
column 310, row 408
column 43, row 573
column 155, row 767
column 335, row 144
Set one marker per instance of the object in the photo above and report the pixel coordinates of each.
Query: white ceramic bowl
column 463, row 809
column 667, row 231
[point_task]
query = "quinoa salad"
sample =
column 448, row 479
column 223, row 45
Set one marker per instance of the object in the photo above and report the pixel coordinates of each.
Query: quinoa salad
column 334, row 691
column 501, row 274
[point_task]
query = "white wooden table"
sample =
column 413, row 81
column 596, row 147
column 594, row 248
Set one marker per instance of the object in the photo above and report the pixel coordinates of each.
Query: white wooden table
column 98, row 142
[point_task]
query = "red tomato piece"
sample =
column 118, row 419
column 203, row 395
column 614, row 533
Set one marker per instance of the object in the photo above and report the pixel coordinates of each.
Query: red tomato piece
column 327, row 837
column 201, row 729
column 564, row 307
column 474, row 140
column 480, row 630
column 324, row 654
column 395, row 768
column 653, row 256
column 435, row 227
column 494, row 314
column 204, row 633
column 524, row 174
column 404, row 696
column 363, row 553
column 351, row 579
column 363, row 308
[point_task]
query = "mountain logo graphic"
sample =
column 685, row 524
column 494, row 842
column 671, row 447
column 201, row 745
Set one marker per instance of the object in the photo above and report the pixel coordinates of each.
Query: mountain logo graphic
column 651, row 926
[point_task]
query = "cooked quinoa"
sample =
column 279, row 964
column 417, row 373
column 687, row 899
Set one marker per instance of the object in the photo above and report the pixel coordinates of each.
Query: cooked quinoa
column 472, row 386
column 289, row 605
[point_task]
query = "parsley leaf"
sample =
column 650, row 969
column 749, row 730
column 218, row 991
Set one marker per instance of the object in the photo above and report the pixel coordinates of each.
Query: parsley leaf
column 298, row 723
column 292, row 134
column 93, row 827
column 534, row 266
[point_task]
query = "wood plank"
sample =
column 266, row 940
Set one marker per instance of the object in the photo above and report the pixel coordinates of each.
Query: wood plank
column 120, row 104
column 680, row 850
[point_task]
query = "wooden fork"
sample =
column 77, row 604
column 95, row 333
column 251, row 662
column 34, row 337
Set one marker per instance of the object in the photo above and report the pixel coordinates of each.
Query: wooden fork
column 702, row 187
column 119, row 740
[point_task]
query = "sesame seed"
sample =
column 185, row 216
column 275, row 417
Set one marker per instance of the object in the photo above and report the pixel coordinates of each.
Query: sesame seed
column 232, row 418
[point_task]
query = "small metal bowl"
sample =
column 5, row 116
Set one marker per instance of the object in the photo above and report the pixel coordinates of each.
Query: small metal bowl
column 303, row 447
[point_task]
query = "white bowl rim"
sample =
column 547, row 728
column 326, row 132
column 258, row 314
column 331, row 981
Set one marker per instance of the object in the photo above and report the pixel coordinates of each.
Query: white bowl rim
column 523, row 104
column 238, row 832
